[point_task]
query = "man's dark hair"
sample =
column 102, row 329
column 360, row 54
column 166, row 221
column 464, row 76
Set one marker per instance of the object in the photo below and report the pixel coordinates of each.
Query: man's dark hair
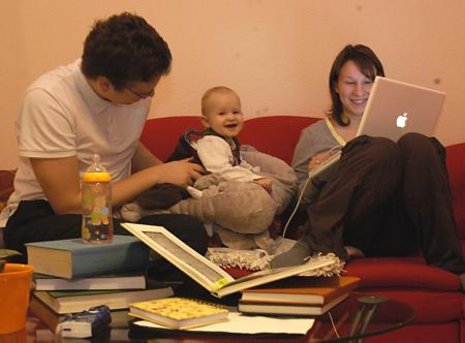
column 125, row 48
column 368, row 63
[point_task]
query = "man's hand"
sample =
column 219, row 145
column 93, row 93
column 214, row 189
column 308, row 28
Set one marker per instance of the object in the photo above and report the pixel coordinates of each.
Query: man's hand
column 182, row 173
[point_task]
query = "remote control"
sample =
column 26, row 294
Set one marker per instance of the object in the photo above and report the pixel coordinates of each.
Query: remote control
column 87, row 323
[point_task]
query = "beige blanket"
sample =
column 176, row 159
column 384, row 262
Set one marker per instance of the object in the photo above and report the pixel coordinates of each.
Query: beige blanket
column 239, row 212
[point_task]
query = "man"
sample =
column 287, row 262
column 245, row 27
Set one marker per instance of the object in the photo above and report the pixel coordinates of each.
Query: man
column 97, row 104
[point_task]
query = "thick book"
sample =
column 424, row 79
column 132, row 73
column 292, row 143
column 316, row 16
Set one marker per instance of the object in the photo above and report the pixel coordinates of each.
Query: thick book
column 76, row 301
column 302, row 290
column 179, row 313
column 44, row 313
column 212, row 277
column 72, row 258
column 290, row 309
column 105, row 282
column 119, row 318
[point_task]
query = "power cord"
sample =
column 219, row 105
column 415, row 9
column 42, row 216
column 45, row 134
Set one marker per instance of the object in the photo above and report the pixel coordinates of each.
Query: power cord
column 333, row 325
column 333, row 150
column 299, row 200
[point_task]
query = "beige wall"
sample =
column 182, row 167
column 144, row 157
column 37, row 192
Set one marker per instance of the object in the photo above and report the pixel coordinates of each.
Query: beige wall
column 275, row 53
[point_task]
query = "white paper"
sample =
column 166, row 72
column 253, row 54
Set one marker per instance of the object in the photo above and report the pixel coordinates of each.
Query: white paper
column 247, row 324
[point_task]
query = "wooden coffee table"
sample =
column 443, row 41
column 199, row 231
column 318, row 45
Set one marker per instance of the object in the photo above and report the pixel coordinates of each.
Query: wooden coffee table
column 357, row 317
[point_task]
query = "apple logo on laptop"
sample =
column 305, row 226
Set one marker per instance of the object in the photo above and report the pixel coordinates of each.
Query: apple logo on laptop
column 402, row 120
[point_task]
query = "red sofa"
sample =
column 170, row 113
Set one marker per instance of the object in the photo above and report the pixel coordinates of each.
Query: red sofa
column 434, row 293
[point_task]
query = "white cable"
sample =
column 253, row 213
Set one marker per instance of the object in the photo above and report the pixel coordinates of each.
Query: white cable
column 333, row 325
column 299, row 200
column 335, row 148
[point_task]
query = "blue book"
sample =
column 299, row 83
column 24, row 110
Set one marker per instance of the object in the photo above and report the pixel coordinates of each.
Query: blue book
column 72, row 258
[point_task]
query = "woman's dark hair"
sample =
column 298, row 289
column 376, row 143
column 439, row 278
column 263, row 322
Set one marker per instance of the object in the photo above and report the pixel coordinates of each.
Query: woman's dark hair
column 125, row 48
column 367, row 62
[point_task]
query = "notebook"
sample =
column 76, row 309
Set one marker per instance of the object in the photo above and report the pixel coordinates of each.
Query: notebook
column 393, row 109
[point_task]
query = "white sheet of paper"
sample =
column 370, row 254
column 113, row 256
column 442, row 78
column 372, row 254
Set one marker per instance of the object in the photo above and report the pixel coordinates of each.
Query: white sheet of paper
column 247, row 324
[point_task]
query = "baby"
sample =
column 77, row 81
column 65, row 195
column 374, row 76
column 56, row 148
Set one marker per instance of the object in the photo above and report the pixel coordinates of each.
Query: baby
column 235, row 197
column 218, row 149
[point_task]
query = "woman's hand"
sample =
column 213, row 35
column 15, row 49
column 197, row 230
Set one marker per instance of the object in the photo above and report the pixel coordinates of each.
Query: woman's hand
column 318, row 159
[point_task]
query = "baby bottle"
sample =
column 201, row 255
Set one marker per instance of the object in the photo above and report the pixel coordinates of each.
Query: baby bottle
column 97, row 220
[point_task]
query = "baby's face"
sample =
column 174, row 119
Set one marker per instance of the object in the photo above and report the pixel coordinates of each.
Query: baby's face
column 223, row 114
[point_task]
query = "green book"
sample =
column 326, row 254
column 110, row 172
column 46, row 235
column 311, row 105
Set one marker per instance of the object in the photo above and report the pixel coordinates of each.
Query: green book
column 77, row 301
column 131, row 280
column 72, row 258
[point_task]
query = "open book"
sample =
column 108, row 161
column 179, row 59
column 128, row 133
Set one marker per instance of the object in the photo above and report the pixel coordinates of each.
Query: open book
column 209, row 275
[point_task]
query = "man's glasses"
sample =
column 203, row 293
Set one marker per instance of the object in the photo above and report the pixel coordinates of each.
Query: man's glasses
column 142, row 95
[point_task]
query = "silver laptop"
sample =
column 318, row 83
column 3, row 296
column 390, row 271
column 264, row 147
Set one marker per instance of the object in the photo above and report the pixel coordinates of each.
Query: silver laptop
column 393, row 109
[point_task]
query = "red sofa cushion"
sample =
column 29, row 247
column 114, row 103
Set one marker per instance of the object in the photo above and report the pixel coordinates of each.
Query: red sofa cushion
column 275, row 135
column 401, row 272
column 160, row 135
column 429, row 306
column 420, row 333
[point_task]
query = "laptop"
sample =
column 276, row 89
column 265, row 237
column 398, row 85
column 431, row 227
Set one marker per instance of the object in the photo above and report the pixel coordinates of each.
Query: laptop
column 393, row 109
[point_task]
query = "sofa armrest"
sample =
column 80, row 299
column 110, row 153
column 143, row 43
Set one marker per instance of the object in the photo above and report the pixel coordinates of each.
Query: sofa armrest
column 6, row 186
column 456, row 168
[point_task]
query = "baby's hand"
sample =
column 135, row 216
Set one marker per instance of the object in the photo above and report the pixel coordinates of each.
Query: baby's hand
column 265, row 183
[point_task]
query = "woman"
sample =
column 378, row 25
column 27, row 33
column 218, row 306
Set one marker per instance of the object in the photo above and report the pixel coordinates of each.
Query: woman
column 383, row 198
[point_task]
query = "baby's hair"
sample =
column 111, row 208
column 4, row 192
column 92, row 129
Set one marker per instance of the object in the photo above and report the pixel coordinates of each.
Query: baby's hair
column 210, row 92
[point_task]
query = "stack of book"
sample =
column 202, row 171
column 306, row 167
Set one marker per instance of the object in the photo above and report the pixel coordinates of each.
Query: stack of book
column 71, row 276
column 73, row 270
column 297, row 296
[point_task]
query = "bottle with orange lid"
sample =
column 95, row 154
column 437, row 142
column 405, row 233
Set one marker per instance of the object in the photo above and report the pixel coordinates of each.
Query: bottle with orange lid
column 97, row 216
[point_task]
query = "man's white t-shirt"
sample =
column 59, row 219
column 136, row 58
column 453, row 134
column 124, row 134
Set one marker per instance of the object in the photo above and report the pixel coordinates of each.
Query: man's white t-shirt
column 61, row 116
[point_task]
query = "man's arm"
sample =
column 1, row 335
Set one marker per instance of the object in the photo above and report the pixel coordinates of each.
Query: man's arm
column 59, row 179
column 143, row 158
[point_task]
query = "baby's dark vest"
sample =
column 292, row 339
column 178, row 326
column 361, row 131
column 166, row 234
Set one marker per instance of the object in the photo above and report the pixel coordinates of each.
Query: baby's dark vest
column 185, row 149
